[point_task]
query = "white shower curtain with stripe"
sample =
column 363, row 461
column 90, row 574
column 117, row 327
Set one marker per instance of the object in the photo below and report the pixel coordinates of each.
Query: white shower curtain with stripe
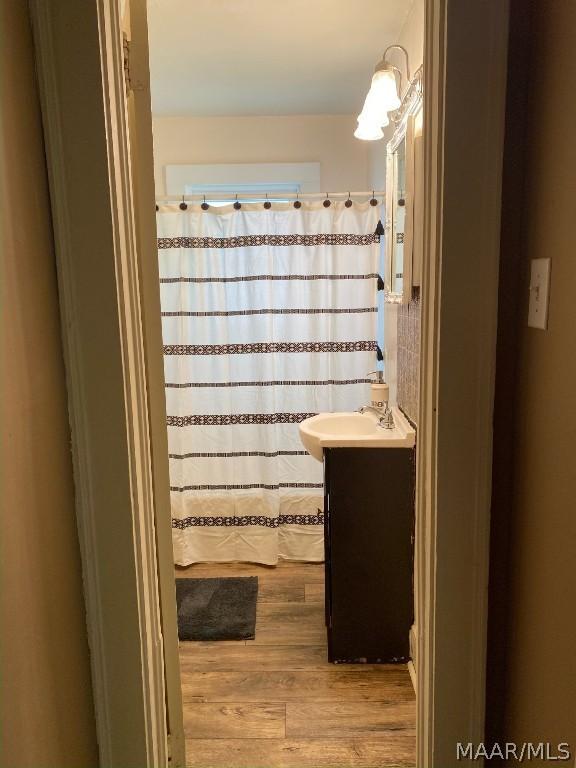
column 269, row 316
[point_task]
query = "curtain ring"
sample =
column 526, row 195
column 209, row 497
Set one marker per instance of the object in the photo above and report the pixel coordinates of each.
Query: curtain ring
column 297, row 203
column 183, row 206
column 237, row 205
column 204, row 205
column 326, row 202
column 373, row 201
column 348, row 202
column 267, row 204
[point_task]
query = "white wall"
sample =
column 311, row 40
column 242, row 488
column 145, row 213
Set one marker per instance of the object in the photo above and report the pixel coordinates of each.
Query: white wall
column 327, row 139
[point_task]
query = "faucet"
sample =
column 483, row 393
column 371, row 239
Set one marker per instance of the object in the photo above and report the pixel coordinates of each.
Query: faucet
column 379, row 405
column 385, row 415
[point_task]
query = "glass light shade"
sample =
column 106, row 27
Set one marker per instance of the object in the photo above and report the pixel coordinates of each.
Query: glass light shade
column 381, row 99
column 374, row 117
column 384, row 90
column 368, row 131
column 374, row 110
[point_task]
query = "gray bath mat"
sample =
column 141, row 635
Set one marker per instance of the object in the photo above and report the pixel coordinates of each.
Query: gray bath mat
column 217, row 609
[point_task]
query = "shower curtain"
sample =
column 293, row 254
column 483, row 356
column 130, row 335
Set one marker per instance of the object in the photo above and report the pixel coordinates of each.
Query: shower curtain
column 269, row 316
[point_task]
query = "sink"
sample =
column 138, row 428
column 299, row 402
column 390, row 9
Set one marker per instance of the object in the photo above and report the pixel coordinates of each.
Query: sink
column 354, row 430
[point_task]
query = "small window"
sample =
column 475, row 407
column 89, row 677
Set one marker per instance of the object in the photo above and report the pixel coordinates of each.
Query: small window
column 253, row 193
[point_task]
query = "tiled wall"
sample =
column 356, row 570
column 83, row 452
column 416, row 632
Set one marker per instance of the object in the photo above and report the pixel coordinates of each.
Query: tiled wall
column 408, row 356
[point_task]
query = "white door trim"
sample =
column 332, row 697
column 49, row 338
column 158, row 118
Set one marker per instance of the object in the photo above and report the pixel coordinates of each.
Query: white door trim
column 141, row 149
column 464, row 91
column 80, row 69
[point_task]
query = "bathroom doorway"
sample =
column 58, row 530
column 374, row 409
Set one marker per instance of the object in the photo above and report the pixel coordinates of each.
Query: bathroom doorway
column 271, row 249
column 96, row 225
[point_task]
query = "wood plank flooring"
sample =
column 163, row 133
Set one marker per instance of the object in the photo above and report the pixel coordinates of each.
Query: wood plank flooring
column 275, row 702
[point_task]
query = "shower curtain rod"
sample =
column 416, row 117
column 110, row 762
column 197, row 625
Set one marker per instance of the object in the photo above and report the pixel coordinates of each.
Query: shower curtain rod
column 271, row 195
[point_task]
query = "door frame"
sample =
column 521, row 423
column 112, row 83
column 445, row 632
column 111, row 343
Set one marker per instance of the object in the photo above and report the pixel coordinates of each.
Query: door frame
column 110, row 318
column 465, row 65
column 142, row 167
column 110, row 333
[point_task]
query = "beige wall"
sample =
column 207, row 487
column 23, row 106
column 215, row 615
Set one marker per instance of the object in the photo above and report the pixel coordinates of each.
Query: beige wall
column 47, row 718
column 327, row 139
column 542, row 660
column 536, row 631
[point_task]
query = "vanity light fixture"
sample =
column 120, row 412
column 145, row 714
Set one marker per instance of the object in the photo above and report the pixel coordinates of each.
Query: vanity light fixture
column 383, row 97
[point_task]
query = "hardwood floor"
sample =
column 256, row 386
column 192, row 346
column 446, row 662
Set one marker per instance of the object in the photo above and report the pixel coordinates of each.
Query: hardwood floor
column 275, row 702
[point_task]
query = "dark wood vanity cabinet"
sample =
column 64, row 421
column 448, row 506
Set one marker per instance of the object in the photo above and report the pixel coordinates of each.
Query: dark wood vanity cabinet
column 369, row 546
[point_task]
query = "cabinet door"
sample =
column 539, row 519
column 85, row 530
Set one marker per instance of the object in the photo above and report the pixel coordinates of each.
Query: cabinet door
column 371, row 513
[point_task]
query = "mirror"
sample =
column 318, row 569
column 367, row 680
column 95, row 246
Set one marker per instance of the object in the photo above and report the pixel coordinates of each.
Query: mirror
column 403, row 180
column 398, row 217
column 399, row 213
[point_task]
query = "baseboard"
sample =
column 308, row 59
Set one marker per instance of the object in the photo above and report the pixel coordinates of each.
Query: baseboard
column 413, row 635
column 412, row 672
column 413, row 640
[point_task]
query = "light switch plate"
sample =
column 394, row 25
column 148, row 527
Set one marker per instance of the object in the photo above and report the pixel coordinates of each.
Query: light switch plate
column 539, row 293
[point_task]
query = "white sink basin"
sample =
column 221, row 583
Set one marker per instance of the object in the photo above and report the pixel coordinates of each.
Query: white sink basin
column 354, row 430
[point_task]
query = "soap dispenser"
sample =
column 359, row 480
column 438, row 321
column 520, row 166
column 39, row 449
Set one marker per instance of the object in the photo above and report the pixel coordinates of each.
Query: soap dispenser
column 379, row 392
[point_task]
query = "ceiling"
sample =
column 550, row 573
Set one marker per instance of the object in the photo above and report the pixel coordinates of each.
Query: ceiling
column 267, row 57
